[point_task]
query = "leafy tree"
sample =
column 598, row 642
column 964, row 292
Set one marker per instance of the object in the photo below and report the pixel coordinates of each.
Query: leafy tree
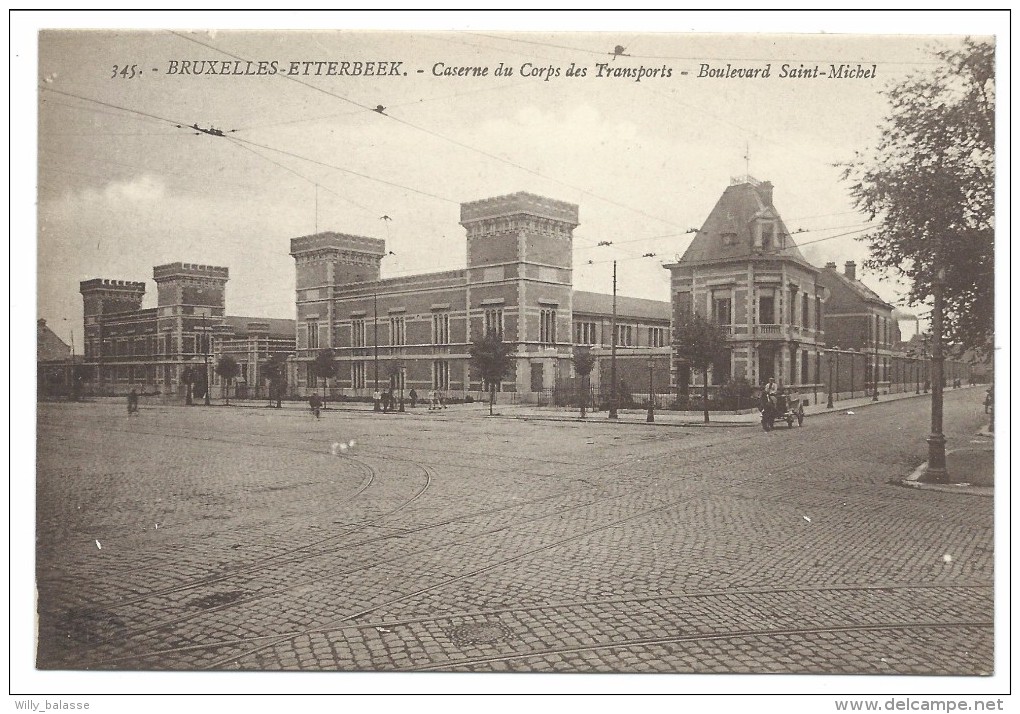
column 929, row 184
column 697, row 342
column 584, row 362
column 228, row 369
column 494, row 359
column 274, row 370
column 324, row 367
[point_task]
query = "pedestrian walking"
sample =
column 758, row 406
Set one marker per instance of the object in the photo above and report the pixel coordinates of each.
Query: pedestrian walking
column 414, row 397
column 132, row 402
column 315, row 402
column 442, row 398
column 376, row 400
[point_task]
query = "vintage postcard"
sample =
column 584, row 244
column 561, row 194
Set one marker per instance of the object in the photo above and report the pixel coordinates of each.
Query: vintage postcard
column 630, row 351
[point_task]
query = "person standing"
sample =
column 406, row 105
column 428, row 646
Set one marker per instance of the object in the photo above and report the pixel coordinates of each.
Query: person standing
column 414, row 397
column 315, row 402
column 376, row 400
column 132, row 402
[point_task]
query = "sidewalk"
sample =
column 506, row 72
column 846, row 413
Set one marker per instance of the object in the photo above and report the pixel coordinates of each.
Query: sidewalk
column 971, row 470
column 690, row 419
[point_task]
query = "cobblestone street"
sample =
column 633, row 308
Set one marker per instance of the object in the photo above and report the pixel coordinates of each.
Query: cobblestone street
column 247, row 539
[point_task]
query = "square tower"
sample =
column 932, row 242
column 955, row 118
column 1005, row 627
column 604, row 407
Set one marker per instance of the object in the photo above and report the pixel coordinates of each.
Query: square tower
column 192, row 300
column 519, row 268
column 102, row 298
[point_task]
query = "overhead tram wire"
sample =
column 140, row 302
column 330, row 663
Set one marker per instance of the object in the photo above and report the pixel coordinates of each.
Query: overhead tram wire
column 430, row 132
column 601, row 53
column 240, row 145
column 188, row 127
column 773, row 252
column 177, row 124
column 348, row 171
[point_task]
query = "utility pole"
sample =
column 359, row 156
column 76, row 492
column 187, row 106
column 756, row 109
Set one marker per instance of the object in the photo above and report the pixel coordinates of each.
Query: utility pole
column 208, row 380
column 936, row 440
column 829, row 404
column 874, row 397
column 651, row 413
column 612, row 356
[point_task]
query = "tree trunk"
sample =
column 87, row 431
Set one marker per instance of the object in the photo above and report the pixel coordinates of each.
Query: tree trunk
column 226, row 391
column 492, row 397
column 704, row 374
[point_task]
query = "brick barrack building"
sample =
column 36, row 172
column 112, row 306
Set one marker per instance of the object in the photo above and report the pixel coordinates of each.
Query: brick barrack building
column 742, row 269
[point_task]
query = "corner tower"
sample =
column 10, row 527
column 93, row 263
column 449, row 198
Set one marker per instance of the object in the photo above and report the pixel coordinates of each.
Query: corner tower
column 102, row 297
column 519, row 268
column 322, row 262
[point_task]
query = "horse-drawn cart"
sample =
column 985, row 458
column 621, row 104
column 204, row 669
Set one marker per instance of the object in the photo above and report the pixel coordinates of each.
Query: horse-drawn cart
column 786, row 407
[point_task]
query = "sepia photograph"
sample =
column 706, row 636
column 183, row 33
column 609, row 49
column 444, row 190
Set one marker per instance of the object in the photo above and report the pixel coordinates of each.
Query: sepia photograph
column 490, row 350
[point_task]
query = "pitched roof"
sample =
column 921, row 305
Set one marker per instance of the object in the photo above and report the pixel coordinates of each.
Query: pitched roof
column 602, row 304
column 856, row 286
column 735, row 213
column 48, row 345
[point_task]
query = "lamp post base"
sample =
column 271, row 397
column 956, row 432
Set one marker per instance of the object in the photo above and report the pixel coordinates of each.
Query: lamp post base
column 936, row 472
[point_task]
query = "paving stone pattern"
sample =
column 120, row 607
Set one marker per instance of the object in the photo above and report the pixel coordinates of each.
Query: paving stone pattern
column 243, row 539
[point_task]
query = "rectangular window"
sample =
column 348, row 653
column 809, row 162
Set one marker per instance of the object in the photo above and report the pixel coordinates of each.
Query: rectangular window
column 793, row 306
column 624, row 335
column 189, row 344
column 440, row 328
column 313, row 334
column 357, row 375
column 818, row 314
column 766, row 310
column 494, row 322
column 398, row 331
column 547, row 328
column 440, row 374
column 312, row 380
column 804, row 362
column 584, row 333
column 358, row 333
column 722, row 311
column 398, row 379
column 804, row 310
column 657, row 336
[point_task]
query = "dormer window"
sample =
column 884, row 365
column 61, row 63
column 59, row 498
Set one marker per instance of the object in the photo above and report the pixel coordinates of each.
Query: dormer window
column 729, row 238
column 768, row 236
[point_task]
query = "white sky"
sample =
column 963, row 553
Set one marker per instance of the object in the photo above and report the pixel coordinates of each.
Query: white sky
column 119, row 193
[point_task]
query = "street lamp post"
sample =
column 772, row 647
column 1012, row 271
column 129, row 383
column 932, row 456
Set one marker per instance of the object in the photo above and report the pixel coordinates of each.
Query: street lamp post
column 612, row 356
column 874, row 369
column 936, row 472
column 917, row 374
column 829, row 404
column 208, row 379
column 651, row 409
column 852, row 374
column 375, row 328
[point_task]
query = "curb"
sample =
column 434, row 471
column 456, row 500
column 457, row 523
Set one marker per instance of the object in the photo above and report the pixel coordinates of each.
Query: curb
column 913, row 481
column 579, row 420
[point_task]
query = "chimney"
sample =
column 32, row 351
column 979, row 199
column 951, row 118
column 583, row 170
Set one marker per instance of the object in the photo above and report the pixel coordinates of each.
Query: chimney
column 831, row 265
column 850, row 270
column 766, row 192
